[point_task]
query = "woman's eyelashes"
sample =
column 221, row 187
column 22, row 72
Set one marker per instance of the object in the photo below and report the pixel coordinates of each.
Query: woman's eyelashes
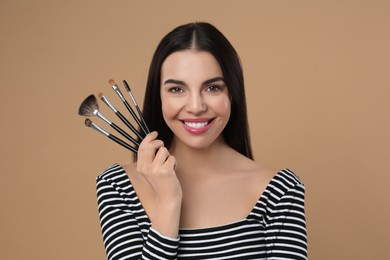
column 212, row 88
column 175, row 90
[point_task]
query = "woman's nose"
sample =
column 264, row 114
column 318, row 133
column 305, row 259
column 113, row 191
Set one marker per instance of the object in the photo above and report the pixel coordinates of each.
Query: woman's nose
column 196, row 104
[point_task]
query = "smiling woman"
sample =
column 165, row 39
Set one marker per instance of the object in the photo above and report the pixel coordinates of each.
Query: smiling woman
column 194, row 190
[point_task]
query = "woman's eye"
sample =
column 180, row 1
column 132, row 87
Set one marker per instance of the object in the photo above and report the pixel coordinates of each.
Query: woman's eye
column 213, row 88
column 175, row 90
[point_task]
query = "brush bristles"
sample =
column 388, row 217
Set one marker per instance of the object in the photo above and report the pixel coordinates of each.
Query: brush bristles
column 89, row 106
column 126, row 86
column 112, row 82
column 88, row 122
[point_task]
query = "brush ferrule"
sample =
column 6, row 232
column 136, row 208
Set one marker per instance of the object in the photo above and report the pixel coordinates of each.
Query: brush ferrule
column 129, row 91
column 103, row 118
column 97, row 128
column 133, row 99
column 118, row 92
column 105, row 100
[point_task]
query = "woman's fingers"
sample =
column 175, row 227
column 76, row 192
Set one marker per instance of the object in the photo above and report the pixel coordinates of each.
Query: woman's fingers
column 147, row 150
column 150, row 144
column 161, row 156
column 171, row 162
column 153, row 157
column 157, row 166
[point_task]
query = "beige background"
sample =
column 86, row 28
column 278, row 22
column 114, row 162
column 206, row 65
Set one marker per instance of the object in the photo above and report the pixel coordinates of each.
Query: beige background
column 318, row 86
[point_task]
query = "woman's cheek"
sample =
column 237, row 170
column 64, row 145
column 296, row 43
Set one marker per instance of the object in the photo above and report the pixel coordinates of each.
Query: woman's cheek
column 169, row 108
column 223, row 106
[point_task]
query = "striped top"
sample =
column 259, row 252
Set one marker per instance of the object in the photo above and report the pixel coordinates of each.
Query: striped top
column 274, row 229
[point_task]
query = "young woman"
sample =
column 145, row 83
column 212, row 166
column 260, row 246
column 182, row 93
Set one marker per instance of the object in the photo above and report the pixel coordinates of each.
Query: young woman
column 194, row 190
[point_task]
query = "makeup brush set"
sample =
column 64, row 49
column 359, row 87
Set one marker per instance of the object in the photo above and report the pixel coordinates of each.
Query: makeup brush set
column 90, row 107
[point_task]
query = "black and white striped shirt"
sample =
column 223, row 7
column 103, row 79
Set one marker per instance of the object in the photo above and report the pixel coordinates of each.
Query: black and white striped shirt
column 274, row 229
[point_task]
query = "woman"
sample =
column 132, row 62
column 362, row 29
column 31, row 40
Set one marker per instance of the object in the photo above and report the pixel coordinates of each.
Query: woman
column 194, row 191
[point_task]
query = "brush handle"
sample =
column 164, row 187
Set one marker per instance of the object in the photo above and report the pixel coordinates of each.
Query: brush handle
column 123, row 133
column 119, row 141
column 127, row 86
column 124, row 120
column 117, row 128
column 129, row 125
column 120, row 95
column 135, row 116
column 112, row 137
column 142, row 118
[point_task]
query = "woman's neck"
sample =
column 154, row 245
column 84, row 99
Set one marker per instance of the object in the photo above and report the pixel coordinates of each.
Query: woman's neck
column 209, row 158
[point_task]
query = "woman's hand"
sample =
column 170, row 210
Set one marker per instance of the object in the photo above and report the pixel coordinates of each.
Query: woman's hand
column 157, row 167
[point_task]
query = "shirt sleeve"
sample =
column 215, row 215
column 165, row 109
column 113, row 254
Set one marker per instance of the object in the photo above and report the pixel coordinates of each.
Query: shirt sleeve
column 286, row 226
column 122, row 233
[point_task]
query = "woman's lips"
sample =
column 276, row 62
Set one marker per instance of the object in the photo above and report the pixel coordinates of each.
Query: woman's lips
column 197, row 126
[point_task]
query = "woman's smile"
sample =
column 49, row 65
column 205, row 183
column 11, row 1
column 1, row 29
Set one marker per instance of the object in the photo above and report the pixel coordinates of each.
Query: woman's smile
column 197, row 126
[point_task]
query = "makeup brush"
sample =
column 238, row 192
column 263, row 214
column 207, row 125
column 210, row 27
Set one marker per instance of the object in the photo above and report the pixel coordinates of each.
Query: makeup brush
column 90, row 107
column 92, row 125
column 120, row 115
column 136, row 105
column 119, row 93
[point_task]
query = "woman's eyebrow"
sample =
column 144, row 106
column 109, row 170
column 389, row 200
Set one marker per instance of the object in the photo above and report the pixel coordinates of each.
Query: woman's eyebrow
column 213, row 80
column 180, row 82
column 174, row 81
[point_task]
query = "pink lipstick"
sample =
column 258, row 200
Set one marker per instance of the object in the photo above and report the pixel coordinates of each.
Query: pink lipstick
column 197, row 126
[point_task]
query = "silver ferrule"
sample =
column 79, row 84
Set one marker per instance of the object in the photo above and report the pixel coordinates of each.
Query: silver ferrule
column 94, row 126
column 133, row 99
column 118, row 91
column 105, row 100
column 102, row 117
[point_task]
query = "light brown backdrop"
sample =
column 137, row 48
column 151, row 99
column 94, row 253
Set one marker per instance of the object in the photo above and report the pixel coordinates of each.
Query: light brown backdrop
column 317, row 80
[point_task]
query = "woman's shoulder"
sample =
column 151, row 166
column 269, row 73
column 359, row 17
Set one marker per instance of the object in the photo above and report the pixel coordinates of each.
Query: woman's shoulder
column 111, row 171
column 251, row 168
column 116, row 175
column 261, row 177
column 258, row 170
column 286, row 180
column 284, row 186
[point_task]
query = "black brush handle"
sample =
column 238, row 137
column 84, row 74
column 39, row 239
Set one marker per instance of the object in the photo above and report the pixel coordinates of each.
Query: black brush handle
column 136, row 106
column 119, row 141
column 123, row 133
column 129, row 125
column 135, row 116
column 142, row 119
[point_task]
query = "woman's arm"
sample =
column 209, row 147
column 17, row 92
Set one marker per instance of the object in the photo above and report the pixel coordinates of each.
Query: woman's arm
column 121, row 223
column 286, row 226
column 126, row 233
column 156, row 166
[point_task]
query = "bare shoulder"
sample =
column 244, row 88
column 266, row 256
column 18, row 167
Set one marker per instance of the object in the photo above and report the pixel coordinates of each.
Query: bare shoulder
column 135, row 178
column 251, row 169
column 131, row 169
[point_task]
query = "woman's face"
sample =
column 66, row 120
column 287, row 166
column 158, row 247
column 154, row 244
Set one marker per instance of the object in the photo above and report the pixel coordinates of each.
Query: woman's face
column 195, row 99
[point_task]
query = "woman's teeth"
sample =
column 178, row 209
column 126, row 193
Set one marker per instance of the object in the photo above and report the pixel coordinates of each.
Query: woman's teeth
column 196, row 124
